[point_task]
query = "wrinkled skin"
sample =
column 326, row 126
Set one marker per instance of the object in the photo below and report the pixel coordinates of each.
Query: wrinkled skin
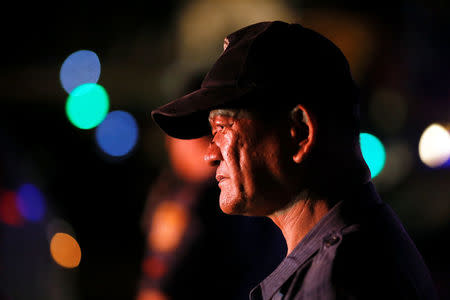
column 262, row 169
column 253, row 164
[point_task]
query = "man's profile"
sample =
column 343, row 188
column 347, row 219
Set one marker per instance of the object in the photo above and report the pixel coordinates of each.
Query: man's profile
column 283, row 111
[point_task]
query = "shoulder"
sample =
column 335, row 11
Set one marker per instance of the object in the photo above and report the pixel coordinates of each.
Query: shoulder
column 370, row 263
column 348, row 266
column 353, row 264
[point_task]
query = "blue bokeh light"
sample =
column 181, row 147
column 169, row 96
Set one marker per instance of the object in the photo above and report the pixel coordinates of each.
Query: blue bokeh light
column 30, row 202
column 117, row 134
column 80, row 67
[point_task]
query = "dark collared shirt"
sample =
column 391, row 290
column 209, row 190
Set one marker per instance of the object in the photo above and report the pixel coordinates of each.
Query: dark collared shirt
column 358, row 250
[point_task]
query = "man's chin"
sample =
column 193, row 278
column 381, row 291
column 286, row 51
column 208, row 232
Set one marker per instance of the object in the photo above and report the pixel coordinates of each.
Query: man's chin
column 232, row 206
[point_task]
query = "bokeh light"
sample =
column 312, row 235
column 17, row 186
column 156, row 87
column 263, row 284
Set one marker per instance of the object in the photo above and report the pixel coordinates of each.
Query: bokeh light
column 9, row 211
column 168, row 226
column 80, row 67
column 30, row 202
column 187, row 158
column 399, row 163
column 117, row 134
column 154, row 267
column 354, row 34
column 65, row 250
column 373, row 152
column 434, row 146
column 87, row 105
column 388, row 109
column 151, row 294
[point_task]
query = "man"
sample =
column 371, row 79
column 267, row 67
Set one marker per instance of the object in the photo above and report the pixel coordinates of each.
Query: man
column 283, row 110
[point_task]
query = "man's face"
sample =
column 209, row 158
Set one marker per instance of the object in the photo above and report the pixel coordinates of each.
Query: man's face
column 249, row 159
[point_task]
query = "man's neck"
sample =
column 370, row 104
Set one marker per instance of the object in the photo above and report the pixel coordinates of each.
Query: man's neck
column 298, row 219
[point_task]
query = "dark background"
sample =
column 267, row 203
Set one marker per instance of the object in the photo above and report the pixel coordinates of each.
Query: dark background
column 400, row 46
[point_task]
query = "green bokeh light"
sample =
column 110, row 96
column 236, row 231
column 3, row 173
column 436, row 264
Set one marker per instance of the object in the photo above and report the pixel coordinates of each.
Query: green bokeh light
column 87, row 105
column 373, row 152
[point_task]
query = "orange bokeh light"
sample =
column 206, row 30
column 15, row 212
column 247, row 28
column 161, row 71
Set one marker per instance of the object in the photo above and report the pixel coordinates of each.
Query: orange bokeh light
column 187, row 158
column 356, row 35
column 65, row 250
column 151, row 294
column 168, row 226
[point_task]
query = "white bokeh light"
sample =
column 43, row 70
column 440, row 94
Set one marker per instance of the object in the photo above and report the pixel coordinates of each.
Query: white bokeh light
column 434, row 146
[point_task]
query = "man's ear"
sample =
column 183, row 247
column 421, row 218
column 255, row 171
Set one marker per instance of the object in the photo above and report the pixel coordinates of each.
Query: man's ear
column 303, row 132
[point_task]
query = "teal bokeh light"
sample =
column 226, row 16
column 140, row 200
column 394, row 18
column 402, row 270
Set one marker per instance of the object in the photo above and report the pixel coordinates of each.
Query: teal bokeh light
column 373, row 152
column 87, row 105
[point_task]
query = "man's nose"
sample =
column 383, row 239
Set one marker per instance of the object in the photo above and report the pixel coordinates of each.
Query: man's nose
column 213, row 156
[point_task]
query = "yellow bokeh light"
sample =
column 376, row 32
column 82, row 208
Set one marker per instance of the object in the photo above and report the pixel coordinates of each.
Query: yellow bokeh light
column 65, row 250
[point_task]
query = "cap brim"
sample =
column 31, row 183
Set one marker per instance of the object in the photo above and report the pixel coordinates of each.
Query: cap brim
column 187, row 117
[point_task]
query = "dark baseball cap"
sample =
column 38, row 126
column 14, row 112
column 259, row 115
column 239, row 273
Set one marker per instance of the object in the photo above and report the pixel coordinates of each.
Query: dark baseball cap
column 268, row 66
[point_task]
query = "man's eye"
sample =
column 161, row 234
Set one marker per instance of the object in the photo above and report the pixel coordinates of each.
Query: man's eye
column 221, row 126
column 216, row 130
column 218, row 127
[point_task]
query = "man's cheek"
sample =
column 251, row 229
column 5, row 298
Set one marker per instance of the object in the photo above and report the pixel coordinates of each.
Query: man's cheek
column 231, row 152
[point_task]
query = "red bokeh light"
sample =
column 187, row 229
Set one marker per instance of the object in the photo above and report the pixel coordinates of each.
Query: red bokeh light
column 9, row 212
column 154, row 267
